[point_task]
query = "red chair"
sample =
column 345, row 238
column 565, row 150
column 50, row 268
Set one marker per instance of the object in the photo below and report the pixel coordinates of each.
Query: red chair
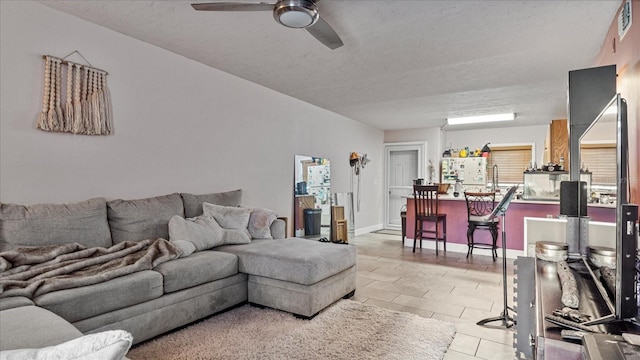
column 426, row 211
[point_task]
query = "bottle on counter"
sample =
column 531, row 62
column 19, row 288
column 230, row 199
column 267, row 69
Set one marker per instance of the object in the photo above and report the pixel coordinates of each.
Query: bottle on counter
column 457, row 188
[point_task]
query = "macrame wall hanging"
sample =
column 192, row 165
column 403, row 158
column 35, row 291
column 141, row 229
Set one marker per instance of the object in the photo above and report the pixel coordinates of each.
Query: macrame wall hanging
column 87, row 102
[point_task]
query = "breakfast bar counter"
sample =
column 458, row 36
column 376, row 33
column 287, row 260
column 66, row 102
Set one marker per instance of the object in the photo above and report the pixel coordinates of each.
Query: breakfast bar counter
column 456, row 210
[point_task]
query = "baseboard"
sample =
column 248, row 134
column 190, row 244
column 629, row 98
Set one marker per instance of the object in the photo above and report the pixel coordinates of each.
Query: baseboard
column 462, row 248
column 368, row 229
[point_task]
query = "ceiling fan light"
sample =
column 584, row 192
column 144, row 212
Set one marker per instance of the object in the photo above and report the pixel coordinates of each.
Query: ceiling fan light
column 297, row 14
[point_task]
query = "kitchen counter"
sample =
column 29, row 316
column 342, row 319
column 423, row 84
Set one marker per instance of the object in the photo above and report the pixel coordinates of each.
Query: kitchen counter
column 516, row 201
column 456, row 210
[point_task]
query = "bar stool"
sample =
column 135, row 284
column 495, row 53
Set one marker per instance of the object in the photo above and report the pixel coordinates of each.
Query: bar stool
column 403, row 220
column 426, row 210
column 479, row 205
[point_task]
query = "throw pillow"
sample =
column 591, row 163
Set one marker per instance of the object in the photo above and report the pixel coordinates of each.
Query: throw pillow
column 185, row 246
column 193, row 203
column 106, row 345
column 260, row 222
column 234, row 220
column 202, row 231
column 228, row 217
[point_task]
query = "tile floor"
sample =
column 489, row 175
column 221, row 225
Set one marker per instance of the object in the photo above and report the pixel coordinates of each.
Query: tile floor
column 448, row 287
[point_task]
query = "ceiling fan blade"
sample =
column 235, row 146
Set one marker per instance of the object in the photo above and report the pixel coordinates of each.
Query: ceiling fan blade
column 322, row 31
column 233, row 6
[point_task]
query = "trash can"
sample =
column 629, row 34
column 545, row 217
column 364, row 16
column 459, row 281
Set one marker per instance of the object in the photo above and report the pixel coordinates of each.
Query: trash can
column 312, row 221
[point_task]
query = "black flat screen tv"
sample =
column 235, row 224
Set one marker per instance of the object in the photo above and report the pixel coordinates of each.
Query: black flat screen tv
column 611, row 125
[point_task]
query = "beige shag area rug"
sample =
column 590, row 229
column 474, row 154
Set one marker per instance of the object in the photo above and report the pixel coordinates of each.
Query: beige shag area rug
column 345, row 330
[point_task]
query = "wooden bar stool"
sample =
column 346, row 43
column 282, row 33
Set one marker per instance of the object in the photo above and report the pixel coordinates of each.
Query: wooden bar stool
column 426, row 210
column 403, row 220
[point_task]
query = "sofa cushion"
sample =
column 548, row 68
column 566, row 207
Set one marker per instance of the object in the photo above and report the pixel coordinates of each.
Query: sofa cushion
column 234, row 220
column 14, row 302
column 295, row 260
column 202, row 231
column 82, row 222
column 193, row 203
column 279, row 229
column 260, row 222
column 228, row 217
column 106, row 345
column 199, row 268
column 186, row 247
column 22, row 327
column 91, row 300
column 134, row 220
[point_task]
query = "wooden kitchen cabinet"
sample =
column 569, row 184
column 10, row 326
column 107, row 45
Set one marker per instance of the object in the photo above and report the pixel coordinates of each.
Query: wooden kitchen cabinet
column 559, row 142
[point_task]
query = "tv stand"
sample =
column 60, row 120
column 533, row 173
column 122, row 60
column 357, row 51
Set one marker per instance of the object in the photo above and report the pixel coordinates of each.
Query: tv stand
column 538, row 293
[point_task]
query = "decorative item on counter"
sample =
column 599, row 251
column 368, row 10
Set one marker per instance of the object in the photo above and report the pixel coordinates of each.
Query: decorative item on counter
column 584, row 169
column 486, row 150
column 432, row 172
column 464, row 152
column 457, row 188
column 446, row 153
column 552, row 167
column 443, row 188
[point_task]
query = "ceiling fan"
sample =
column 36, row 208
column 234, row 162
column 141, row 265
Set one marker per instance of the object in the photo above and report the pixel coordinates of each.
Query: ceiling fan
column 299, row 14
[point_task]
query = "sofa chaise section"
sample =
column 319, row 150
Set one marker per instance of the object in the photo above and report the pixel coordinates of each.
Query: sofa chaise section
column 296, row 275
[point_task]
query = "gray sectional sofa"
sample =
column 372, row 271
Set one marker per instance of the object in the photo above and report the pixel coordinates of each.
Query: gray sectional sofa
column 294, row 275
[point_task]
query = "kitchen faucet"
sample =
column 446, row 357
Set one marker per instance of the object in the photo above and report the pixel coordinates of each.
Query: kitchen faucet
column 494, row 178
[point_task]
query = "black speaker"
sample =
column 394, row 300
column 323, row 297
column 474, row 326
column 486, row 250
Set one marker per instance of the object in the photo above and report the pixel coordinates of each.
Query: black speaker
column 626, row 276
column 573, row 198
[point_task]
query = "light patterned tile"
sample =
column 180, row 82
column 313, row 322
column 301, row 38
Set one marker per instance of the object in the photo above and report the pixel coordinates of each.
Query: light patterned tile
column 400, row 273
column 359, row 298
column 366, row 266
column 495, row 351
column 397, row 307
column 469, row 327
column 401, row 289
column 431, row 305
column 454, row 355
column 466, row 301
column 377, row 294
column 445, row 278
column 362, row 282
column 377, row 276
column 465, row 344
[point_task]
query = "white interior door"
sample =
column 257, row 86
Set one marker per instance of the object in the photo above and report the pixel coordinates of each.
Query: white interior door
column 403, row 163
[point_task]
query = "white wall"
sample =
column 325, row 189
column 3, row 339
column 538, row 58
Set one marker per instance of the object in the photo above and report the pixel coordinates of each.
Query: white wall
column 509, row 135
column 180, row 126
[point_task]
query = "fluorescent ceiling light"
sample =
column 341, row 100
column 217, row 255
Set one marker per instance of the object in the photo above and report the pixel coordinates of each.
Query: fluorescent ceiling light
column 481, row 119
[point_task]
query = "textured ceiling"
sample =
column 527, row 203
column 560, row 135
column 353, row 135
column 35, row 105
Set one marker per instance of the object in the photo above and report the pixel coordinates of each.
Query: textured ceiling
column 404, row 64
